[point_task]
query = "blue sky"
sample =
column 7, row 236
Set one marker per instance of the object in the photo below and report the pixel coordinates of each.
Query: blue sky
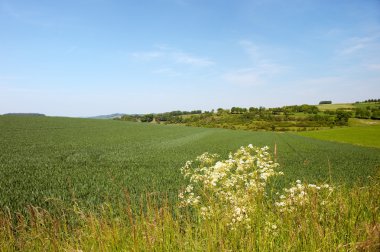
column 90, row 57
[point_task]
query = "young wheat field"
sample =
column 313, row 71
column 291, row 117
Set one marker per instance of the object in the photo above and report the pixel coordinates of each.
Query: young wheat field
column 82, row 184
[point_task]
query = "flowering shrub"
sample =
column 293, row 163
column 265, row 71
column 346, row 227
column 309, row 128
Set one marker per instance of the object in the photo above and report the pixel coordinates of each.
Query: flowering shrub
column 233, row 189
column 301, row 195
column 230, row 187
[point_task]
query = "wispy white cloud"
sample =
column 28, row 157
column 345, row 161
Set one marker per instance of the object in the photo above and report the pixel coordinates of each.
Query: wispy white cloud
column 259, row 71
column 189, row 59
column 254, row 76
column 356, row 44
column 359, row 55
column 174, row 56
column 148, row 55
column 352, row 49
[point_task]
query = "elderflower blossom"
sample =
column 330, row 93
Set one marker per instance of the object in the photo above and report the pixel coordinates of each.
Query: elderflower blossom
column 271, row 228
column 230, row 185
column 231, row 190
column 300, row 195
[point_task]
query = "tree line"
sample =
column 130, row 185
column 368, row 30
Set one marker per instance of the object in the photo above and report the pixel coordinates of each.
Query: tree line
column 295, row 117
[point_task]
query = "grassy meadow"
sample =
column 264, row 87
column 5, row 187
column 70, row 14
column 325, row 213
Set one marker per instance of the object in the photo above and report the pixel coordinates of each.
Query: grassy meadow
column 347, row 106
column 368, row 135
column 82, row 184
column 335, row 106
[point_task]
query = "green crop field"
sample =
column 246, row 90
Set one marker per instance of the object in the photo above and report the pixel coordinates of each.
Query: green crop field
column 63, row 183
column 335, row 106
column 363, row 122
column 366, row 104
column 359, row 135
column 324, row 107
column 46, row 159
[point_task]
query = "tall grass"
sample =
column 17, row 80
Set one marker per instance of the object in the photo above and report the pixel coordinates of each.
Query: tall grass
column 350, row 222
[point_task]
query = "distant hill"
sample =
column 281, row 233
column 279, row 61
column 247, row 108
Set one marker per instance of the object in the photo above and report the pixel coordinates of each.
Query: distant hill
column 24, row 114
column 111, row 116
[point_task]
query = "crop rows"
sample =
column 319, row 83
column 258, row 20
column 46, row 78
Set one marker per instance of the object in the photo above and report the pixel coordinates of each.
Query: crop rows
column 48, row 161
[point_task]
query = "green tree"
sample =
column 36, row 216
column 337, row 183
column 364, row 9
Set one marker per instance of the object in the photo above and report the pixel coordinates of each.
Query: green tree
column 362, row 113
column 147, row 118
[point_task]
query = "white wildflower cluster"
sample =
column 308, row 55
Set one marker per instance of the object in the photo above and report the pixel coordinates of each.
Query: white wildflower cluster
column 233, row 189
column 301, row 195
column 271, row 228
column 228, row 187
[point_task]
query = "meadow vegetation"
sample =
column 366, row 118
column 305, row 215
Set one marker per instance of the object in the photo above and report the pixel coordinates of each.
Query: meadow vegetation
column 368, row 135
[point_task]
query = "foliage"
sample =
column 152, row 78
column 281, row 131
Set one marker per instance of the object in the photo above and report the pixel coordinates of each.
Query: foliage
column 172, row 117
column 370, row 101
column 325, row 102
column 271, row 119
column 147, row 118
column 129, row 118
column 375, row 114
column 287, row 118
column 305, row 108
column 368, row 112
column 294, row 118
column 24, row 114
column 237, row 110
column 342, row 117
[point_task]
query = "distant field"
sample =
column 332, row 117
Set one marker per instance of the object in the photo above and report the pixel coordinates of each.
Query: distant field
column 45, row 160
column 366, row 104
column 359, row 135
column 324, row 107
column 363, row 122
